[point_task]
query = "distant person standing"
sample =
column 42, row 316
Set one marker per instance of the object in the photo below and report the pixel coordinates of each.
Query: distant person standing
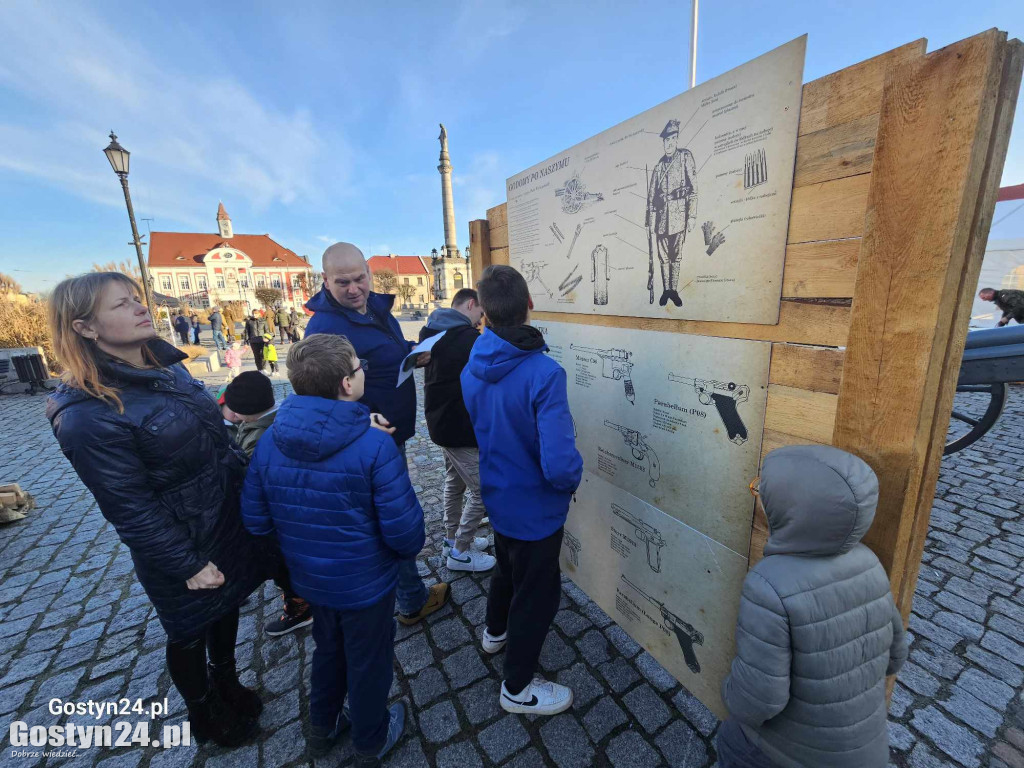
column 255, row 330
column 1010, row 301
column 194, row 322
column 217, row 328
column 182, row 326
column 346, row 306
column 293, row 324
column 284, row 324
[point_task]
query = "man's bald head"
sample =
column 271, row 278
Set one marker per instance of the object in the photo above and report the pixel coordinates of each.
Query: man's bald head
column 347, row 276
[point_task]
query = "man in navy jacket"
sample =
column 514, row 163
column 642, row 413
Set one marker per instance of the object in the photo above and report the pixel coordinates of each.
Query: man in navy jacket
column 346, row 306
column 529, row 469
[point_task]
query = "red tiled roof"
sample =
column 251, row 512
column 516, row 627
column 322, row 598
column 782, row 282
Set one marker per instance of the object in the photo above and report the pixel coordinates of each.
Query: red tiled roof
column 400, row 265
column 165, row 247
column 221, row 213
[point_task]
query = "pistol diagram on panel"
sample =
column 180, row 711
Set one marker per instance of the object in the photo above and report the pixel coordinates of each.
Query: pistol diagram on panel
column 650, row 535
column 684, row 632
column 755, row 169
column 724, row 396
column 614, row 365
column 575, row 196
column 573, row 546
column 641, row 450
column 712, row 239
column 531, row 273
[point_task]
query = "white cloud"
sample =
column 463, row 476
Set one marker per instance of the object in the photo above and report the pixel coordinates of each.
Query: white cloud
column 193, row 138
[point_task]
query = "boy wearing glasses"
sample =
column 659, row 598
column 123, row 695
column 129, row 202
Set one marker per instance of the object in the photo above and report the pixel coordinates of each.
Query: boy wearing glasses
column 818, row 630
column 337, row 495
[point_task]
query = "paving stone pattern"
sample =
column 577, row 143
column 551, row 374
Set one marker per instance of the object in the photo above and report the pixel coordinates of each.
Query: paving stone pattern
column 76, row 625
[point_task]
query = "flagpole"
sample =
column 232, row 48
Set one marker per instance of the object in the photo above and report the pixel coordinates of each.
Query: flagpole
column 693, row 43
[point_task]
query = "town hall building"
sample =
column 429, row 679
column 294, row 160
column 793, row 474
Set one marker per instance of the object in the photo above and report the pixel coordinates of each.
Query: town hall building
column 205, row 269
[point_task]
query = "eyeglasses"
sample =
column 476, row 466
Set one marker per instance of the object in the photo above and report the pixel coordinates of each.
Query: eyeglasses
column 364, row 366
column 755, row 487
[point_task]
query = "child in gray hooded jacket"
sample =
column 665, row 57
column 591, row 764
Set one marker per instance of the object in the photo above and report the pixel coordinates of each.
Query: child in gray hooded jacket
column 818, row 630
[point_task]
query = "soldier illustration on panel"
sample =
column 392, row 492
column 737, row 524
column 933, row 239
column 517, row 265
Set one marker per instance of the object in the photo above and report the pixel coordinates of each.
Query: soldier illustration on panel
column 671, row 209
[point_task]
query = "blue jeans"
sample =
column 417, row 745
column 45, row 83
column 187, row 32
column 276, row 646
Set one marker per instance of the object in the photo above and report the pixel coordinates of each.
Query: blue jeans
column 411, row 594
column 219, row 340
column 354, row 654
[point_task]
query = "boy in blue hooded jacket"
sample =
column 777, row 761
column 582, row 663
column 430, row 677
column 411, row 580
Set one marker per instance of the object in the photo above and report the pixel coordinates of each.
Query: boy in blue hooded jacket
column 337, row 495
column 529, row 469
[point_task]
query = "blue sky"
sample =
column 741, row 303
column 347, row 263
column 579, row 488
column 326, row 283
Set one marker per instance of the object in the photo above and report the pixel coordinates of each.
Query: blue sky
column 318, row 121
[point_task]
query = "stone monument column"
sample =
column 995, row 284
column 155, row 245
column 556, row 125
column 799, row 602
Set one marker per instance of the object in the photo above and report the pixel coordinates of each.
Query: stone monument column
column 451, row 248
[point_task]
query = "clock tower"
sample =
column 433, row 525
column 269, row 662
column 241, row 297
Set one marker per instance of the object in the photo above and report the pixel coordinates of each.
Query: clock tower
column 224, row 222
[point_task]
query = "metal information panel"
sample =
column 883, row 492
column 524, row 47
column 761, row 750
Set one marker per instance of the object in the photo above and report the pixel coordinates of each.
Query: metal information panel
column 681, row 211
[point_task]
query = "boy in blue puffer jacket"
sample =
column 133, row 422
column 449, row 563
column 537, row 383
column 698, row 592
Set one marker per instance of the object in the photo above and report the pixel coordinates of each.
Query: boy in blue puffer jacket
column 337, row 495
column 529, row 469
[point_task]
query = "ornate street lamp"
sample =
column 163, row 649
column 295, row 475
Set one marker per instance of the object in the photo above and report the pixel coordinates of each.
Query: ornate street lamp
column 118, row 157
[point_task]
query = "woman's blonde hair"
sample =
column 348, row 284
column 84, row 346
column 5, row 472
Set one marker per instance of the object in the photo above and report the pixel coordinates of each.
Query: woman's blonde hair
column 77, row 298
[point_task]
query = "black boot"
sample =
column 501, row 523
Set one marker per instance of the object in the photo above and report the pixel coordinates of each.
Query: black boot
column 213, row 720
column 244, row 701
column 674, row 297
column 664, row 298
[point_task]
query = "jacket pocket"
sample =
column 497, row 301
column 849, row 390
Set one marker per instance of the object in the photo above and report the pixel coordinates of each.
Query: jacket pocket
column 195, row 503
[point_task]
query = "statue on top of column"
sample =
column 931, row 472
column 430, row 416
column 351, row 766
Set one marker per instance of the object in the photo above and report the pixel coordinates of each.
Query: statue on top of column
column 443, row 138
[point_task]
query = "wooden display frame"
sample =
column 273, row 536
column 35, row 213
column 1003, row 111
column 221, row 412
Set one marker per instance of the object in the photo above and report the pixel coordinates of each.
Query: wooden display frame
column 898, row 166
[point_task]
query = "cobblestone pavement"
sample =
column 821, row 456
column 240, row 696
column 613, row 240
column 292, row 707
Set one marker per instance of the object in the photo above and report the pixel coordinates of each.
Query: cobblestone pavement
column 75, row 625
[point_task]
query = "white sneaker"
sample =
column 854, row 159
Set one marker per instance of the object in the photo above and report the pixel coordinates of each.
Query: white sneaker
column 479, row 544
column 540, row 697
column 471, row 561
column 492, row 644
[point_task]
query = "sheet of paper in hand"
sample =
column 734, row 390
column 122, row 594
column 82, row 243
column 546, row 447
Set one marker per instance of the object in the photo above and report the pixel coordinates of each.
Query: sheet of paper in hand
column 409, row 363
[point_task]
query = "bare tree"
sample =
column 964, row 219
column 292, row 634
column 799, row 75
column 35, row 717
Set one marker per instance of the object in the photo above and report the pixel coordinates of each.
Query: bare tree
column 406, row 291
column 8, row 284
column 386, row 281
column 268, row 297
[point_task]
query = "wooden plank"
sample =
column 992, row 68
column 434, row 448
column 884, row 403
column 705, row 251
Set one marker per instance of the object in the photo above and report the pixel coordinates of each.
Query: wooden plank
column 758, row 538
column 831, row 210
column 823, row 325
column 497, row 216
column 773, row 439
column 499, row 236
column 934, row 124
column 837, row 152
column 1006, row 102
column 818, row 369
column 825, row 269
column 479, row 248
column 801, row 413
column 851, row 93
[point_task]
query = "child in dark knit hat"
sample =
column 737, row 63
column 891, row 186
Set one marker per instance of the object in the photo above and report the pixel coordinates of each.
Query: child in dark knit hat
column 250, row 398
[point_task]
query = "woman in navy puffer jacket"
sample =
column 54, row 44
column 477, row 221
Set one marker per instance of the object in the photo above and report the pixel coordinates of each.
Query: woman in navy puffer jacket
column 149, row 442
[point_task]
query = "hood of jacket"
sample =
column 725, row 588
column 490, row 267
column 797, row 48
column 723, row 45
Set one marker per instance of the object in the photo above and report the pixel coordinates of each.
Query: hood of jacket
column 819, row 500
column 323, row 301
column 117, row 374
column 445, row 319
column 311, row 429
column 498, row 352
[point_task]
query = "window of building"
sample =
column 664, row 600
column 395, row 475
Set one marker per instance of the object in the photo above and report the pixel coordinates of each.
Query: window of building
column 220, row 281
column 201, row 282
column 296, row 281
column 184, row 283
column 165, row 284
column 419, row 281
column 275, row 281
column 261, row 281
column 407, row 281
